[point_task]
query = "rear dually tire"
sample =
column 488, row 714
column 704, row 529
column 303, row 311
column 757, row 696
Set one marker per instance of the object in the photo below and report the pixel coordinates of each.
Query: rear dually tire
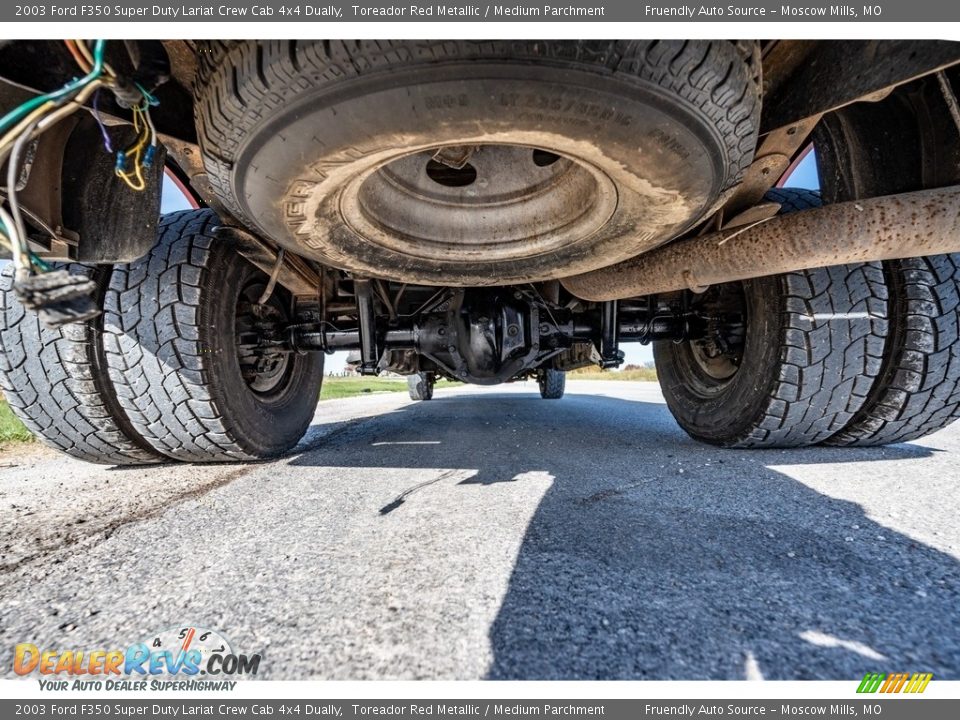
column 174, row 321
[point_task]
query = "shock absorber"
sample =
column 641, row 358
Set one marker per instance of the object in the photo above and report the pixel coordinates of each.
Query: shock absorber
column 363, row 291
column 610, row 353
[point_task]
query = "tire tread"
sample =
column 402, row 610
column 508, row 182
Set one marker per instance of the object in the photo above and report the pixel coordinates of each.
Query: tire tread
column 240, row 83
column 826, row 364
column 552, row 384
column 166, row 395
column 56, row 382
column 918, row 391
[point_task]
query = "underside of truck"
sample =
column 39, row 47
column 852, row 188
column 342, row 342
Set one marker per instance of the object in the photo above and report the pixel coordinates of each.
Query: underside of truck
column 480, row 212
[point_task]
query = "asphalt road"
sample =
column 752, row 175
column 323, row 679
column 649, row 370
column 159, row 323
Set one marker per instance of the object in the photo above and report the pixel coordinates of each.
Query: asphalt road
column 491, row 534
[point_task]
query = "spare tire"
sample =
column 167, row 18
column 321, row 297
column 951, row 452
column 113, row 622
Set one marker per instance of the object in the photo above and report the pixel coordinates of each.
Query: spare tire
column 475, row 163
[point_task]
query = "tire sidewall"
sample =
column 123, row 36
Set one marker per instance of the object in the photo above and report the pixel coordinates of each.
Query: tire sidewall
column 726, row 415
column 264, row 424
column 663, row 155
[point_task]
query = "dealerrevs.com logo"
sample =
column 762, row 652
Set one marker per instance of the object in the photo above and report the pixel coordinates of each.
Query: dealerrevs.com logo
column 183, row 658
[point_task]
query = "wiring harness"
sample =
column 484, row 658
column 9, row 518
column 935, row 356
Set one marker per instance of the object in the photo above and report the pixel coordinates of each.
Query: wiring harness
column 58, row 296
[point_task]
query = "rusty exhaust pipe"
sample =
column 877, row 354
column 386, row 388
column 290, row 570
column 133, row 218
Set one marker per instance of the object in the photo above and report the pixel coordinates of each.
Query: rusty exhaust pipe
column 913, row 224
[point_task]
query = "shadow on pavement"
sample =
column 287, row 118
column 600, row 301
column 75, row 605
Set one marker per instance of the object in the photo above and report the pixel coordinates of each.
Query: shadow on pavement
column 651, row 556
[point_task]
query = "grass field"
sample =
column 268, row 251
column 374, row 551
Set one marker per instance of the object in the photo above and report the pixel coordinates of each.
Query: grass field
column 11, row 429
column 342, row 387
column 639, row 375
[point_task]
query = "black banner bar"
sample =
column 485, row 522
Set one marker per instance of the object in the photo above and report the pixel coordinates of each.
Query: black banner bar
column 466, row 11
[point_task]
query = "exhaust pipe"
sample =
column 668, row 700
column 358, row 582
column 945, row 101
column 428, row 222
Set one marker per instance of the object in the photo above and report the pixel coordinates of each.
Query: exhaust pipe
column 913, row 224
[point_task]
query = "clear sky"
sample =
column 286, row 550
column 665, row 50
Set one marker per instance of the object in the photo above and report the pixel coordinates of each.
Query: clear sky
column 804, row 176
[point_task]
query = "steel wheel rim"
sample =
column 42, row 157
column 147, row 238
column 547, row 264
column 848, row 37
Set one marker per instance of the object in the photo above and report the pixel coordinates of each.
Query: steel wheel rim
column 504, row 202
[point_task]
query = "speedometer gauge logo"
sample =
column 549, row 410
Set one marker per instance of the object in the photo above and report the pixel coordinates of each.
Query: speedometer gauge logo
column 189, row 650
column 198, row 643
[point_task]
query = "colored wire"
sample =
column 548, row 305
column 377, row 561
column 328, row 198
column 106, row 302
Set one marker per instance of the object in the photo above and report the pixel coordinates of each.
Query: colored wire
column 150, row 97
column 30, row 105
column 82, row 46
column 103, row 130
column 134, row 180
column 37, row 261
column 78, row 56
column 16, row 248
column 153, row 130
column 85, row 51
column 13, row 169
column 134, row 153
column 142, row 151
column 32, row 118
column 4, row 240
column 7, row 140
column 81, row 53
column 50, row 112
column 36, row 122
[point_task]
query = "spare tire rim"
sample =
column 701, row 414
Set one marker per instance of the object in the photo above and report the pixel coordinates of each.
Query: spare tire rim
column 479, row 202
